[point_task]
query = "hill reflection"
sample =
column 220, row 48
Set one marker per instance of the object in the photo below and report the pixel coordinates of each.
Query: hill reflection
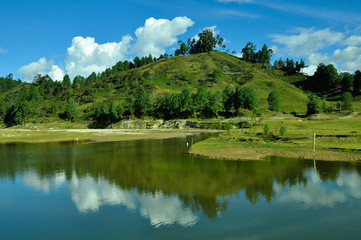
column 156, row 178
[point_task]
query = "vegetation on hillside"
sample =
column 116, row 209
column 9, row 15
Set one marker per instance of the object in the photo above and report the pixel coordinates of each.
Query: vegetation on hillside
column 198, row 82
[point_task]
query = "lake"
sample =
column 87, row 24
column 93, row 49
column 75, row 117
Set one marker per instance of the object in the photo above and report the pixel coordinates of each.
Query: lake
column 151, row 189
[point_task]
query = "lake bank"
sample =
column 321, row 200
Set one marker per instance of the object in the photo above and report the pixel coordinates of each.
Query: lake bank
column 95, row 135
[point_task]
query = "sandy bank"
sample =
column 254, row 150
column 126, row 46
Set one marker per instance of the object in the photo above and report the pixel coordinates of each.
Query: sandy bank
column 98, row 135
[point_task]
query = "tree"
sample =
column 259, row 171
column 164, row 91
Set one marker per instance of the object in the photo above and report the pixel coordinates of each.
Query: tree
column 245, row 97
column 22, row 112
column 200, row 100
column 248, row 52
column 290, row 67
column 132, row 106
column 171, row 105
column 357, row 82
column 91, row 78
column 300, row 65
column 346, row 82
column 347, row 101
column 212, row 107
column 264, row 55
column 326, row 76
column 71, row 110
column 205, row 43
column 274, row 101
column 66, row 80
column 249, row 98
column 183, row 49
column 137, row 62
column 78, row 81
column 227, row 98
column 116, row 110
column 141, row 103
column 313, row 105
column 186, row 99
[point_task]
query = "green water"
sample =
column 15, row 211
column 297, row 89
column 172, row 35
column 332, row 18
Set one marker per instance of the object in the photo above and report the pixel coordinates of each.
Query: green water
column 152, row 190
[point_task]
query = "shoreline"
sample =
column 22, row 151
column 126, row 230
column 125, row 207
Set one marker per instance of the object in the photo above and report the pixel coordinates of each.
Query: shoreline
column 93, row 135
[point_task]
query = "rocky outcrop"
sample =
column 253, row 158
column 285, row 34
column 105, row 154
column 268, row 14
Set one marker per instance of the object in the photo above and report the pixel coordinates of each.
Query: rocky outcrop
column 156, row 124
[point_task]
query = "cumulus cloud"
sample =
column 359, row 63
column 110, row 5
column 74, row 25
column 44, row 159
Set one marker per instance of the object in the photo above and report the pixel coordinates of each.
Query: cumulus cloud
column 85, row 55
column 156, row 35
column 306, row 41
column 42, row 66
column 312, row 44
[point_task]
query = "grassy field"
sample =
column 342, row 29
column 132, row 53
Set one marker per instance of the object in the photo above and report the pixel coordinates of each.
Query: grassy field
column 337, row 138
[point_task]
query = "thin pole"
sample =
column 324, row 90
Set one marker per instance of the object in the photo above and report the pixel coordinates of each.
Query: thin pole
column 314, row 142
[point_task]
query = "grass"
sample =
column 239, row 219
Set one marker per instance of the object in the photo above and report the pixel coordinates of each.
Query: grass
column 338, row 139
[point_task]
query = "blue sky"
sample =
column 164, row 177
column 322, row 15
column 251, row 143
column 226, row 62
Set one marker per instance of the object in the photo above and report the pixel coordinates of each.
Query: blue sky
column 78, row 36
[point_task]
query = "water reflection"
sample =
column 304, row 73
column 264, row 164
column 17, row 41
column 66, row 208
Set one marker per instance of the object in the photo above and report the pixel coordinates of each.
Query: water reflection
column 159, row 182
column 320, row 194
column 88, row 195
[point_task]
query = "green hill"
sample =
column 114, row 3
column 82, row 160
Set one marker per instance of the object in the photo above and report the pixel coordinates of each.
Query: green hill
column 213, row 70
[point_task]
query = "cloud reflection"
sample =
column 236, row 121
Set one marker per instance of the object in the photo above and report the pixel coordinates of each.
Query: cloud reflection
column 322, row 194
column 89, row 195
column 44, row 184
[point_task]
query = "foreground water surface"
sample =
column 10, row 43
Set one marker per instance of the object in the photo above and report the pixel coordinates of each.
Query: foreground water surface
column 151, row 189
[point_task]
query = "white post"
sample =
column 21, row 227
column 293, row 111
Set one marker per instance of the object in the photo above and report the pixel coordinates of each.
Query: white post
column 314, row 142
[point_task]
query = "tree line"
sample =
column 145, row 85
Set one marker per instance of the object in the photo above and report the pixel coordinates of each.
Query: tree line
column 200, row 104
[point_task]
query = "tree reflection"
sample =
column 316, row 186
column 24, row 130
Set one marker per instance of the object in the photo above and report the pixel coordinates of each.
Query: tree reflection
column 153, row 166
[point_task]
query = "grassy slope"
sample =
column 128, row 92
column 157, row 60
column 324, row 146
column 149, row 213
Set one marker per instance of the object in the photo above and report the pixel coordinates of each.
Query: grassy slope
column 214, row 71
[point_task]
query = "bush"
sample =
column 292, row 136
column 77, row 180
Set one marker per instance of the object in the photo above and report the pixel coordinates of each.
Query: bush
column 266, row 129
column 283, row 130
column 274, row 101
column 347, row 101
column 313, row 105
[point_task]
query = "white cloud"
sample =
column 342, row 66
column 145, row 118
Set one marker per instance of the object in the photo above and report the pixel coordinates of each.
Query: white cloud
column 238, row 1
column 85, row 56
column 3, row 50
column 156, row 35
column 235, row 13
column 312, row 44
column 353, row 41
column 42, row 66
column 307, row 41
